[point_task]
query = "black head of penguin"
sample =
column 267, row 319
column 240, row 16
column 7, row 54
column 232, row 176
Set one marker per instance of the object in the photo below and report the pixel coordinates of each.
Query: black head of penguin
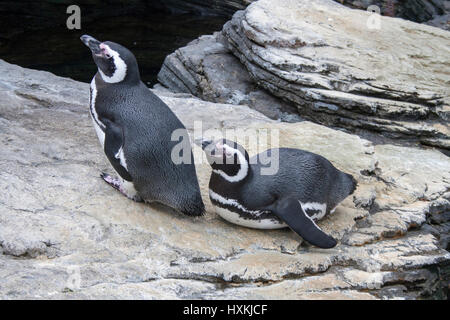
column 227, row 159
column 115, row 63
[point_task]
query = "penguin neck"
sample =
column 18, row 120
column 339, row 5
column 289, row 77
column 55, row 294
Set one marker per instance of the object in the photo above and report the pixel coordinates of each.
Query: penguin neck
column 226, row 183
column 131, row 78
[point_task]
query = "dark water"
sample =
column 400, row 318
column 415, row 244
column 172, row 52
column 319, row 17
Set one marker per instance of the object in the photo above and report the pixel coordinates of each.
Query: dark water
column 151, row 38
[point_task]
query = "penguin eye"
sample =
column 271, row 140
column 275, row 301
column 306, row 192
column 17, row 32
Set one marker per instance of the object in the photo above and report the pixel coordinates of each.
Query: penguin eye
column 105, row 54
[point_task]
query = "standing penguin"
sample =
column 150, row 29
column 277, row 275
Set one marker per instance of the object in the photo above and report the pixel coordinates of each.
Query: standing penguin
column 306, row 188
column 135, row 129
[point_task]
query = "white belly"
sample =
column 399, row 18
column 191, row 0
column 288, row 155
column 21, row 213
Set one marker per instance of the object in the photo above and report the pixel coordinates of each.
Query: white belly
column 233, row 217
column 94, row 116
column 100, row 133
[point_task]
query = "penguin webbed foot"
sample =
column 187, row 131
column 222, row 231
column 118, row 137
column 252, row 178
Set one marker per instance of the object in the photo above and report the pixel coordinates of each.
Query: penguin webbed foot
column 117, row 184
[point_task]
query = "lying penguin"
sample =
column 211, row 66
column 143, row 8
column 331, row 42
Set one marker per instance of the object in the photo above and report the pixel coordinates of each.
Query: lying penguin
column 306, row 188
column 135, row 128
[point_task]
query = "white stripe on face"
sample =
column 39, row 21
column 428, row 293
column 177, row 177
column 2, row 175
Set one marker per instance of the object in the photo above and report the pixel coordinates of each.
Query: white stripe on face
column 243, row 170
column 121, row 67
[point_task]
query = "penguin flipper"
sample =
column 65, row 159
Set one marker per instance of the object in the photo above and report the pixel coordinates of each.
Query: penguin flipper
column 113, row 144
column 290, row 211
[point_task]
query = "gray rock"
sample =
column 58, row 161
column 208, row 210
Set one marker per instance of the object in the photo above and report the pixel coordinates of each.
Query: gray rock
column 414, row 10
column 434, row 13
column 65, row 234
column 208, row 70
column 324, row 58
column 442, row 22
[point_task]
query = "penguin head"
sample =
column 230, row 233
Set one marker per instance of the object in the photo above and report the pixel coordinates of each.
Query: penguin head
column 227, row 159
column 115, row 63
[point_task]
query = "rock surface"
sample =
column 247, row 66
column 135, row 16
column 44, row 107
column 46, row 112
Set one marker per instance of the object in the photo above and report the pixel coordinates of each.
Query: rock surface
column 415, row 10
column 206, row 69
column 441, row 21
column 322, row 57
column 65, row 234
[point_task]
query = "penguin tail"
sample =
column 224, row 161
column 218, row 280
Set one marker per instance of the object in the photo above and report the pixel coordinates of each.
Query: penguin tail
column 194, row 211
column 193, row 207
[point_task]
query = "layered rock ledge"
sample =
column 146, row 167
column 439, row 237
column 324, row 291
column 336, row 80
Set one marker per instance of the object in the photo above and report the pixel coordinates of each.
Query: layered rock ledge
column 65, row 234
column 323, row 59
column 206, row 69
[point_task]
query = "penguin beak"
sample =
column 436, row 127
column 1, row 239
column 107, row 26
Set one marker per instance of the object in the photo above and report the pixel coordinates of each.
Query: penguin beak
column 203, row 143
column 91, row 43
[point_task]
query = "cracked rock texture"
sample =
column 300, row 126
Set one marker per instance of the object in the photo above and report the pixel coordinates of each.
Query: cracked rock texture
column 65, row 234
column 320, row 59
